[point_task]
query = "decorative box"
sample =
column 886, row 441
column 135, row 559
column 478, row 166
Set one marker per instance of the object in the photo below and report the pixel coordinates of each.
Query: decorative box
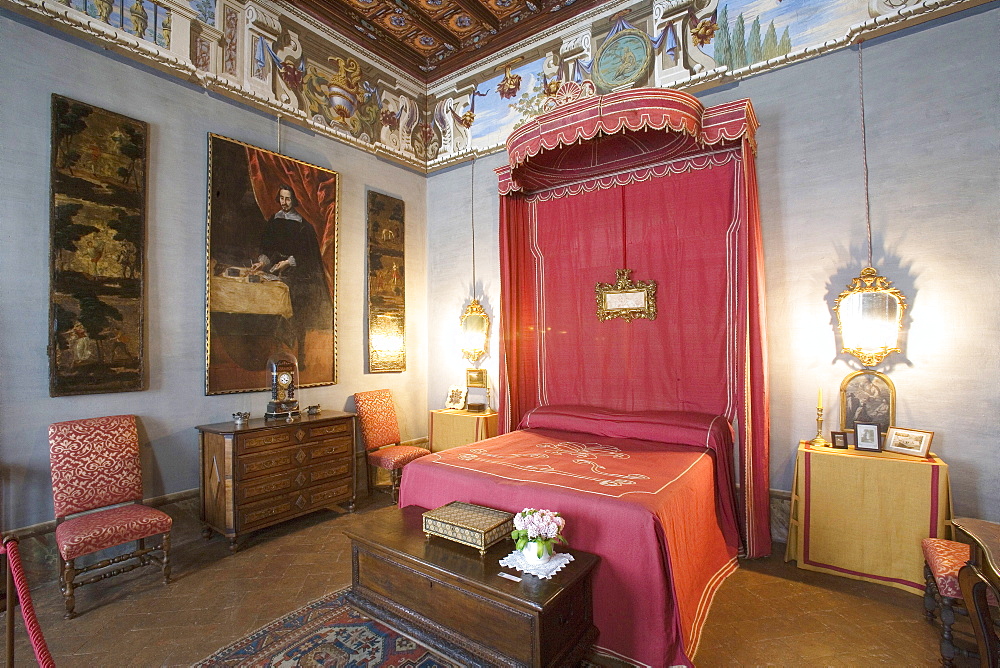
column 466, row 523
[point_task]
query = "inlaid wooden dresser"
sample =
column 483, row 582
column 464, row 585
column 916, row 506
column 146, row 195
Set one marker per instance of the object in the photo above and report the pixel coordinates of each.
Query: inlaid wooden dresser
column 269, row 471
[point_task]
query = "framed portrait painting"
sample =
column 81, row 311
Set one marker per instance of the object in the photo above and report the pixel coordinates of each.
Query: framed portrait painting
column 97, row 232
column 867, row 396
column 271, row 267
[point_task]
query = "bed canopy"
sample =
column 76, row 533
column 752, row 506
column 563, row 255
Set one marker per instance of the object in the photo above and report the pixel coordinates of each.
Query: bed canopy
column 651, row 181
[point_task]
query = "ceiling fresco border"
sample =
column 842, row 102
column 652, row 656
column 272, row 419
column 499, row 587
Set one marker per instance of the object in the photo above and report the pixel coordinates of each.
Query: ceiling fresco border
column 277, row 58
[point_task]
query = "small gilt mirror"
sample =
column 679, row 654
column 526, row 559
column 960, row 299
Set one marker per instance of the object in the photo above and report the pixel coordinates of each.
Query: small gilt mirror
column 475, row 332
column 870, row 316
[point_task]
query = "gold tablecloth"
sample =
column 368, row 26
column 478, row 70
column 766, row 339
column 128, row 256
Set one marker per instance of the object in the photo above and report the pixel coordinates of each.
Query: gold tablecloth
column 452, row 427
column 862, row 514
column 236, row 295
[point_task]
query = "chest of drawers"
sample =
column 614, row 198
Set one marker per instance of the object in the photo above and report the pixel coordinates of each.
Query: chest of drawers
column 265, row 472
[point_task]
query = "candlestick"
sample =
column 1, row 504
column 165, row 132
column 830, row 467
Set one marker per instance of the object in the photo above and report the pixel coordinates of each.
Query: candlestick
column 819, row 399
column 819, row 440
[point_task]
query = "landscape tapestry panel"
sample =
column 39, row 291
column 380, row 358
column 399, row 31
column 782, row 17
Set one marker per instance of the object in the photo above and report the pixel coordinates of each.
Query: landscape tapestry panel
column 97, row 230
column 386, row 294
column 272, row 267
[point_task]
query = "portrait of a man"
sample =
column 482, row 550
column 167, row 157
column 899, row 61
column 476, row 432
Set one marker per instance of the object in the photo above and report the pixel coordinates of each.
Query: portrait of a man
column 272, row 230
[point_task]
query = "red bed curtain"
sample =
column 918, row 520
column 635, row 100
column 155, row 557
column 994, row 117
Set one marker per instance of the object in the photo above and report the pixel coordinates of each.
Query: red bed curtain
column 691, row 224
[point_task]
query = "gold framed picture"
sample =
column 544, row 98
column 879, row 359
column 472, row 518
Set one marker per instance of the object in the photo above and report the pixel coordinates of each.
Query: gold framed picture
column 868, row 397
column 914, row 442
column 475, row 378
column 626, row 299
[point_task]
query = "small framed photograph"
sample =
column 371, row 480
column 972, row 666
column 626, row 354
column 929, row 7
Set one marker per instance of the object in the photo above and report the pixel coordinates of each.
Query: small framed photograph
column 914, row 442
column 475, row 378
column 838, row 439
column 867, row 437
column 456, row 397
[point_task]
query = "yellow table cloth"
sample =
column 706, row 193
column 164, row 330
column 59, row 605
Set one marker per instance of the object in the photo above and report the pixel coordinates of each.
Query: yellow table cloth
column 452, row 427
column 237, row 295
column 862, row 514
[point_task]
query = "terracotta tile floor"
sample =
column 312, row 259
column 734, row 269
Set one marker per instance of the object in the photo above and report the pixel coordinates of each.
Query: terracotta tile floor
column 768, row 613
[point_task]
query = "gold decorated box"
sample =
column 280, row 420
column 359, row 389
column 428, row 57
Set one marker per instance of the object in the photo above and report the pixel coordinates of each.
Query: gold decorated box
column 469, row 524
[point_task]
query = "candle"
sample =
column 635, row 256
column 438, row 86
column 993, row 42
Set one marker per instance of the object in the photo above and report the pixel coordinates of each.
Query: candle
column 819, row 399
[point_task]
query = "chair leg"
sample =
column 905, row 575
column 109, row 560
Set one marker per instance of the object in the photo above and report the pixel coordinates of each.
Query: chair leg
column 930, row 590
column 67, row 575
column 397, row 475
column 166, row 558
column 948, row 649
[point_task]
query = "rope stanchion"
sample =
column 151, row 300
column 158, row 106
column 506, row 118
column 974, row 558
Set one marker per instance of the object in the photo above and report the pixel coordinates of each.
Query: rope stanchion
column 15, row 573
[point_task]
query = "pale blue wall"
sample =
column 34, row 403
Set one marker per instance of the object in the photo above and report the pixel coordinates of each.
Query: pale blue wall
column 35, row 62
column 932, row 97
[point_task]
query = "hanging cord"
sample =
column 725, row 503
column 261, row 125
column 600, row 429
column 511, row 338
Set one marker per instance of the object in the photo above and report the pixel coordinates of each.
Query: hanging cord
column 864, row 149
column 278, row 131
column 473, row 216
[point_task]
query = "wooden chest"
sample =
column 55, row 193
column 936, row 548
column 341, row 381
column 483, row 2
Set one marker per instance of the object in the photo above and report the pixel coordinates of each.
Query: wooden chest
column 266, row 472
column 450, row 598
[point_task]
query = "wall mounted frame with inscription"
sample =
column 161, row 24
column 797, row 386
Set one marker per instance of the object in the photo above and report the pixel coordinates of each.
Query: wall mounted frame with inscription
column 271, row 267
column 625, row 299
column 386, row 284
column 97, row 235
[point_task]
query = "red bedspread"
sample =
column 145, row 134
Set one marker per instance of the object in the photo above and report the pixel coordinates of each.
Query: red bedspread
column 649, row 509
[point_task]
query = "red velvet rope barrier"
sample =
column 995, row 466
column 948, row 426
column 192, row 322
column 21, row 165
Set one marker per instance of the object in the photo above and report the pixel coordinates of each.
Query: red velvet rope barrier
column 42, row 654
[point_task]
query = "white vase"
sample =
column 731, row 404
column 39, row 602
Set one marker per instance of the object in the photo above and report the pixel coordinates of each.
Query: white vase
column 530, row 552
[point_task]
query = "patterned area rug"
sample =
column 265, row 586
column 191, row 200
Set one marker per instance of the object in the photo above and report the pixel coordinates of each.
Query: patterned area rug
column 331, row 633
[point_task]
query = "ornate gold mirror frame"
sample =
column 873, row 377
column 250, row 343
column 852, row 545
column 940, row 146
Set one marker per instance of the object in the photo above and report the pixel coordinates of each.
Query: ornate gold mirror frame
column 475, row 332
column 870, row 316
column 625, row 299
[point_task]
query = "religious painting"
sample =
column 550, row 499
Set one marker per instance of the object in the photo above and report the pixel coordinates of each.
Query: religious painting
column 97, row 241
column 386, row 294
column 867, row 396
column 271, row 267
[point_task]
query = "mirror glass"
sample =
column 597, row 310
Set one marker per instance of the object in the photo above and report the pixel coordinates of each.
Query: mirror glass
column 475, row 331
column 870, row 313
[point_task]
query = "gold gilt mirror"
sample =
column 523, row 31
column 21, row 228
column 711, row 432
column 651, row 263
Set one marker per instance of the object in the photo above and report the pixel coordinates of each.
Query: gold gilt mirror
column 475, row 331
column 870, row 315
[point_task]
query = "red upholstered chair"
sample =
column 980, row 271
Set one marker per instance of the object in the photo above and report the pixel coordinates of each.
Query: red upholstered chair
column 97, row 491
column 380, row 433
column 943, row 559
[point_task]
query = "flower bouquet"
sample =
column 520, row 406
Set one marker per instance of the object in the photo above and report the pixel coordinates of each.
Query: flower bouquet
column 536, row 532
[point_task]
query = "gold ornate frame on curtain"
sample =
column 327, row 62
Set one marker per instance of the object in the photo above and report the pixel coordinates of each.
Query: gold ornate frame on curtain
column 254, row 311
column 98, row 241
column 386, row 283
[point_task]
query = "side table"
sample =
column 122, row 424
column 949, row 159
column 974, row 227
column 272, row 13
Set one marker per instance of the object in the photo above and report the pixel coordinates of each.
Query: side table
column 451, row 427
column 862, row 514
column 451, row 598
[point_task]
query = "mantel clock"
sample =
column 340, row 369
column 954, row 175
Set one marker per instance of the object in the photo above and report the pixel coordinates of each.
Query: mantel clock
column 284, row 380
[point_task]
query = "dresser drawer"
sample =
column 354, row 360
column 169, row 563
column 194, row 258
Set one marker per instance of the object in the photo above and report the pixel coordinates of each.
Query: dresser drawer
column 294, row 434
column 292, row 457
column 293, row 480
column 286, row 506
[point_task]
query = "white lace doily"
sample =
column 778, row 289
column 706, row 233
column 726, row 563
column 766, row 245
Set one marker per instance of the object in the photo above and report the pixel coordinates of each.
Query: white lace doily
column 545, row 571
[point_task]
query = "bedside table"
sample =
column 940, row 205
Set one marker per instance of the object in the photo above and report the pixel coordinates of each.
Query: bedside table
column 862, row 515
column 451, row 427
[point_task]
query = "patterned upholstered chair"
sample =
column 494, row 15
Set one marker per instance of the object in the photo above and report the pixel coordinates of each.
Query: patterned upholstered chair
column 380, row 433
column 943, row 559
column 97, row 491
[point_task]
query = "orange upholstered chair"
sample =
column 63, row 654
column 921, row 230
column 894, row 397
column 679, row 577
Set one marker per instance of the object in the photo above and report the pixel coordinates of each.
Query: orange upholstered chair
column 97, row 491
column 380, row 433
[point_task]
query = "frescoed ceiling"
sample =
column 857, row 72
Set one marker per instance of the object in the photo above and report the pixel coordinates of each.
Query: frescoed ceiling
column 430, row 39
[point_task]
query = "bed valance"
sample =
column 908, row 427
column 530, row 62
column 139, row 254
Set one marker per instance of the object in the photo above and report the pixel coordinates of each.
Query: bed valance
column 651, row 181
column 588, row 135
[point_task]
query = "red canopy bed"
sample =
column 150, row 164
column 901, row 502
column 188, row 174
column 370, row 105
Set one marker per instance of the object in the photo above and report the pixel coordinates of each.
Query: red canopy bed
column 625, row 426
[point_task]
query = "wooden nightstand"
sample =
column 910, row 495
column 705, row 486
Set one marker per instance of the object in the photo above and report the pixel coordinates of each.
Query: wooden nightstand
column 450, row 427
column 862, row 514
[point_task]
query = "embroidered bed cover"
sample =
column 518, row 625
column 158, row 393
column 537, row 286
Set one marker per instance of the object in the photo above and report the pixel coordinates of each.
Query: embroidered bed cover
column 667, row 539
column 651, row 181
